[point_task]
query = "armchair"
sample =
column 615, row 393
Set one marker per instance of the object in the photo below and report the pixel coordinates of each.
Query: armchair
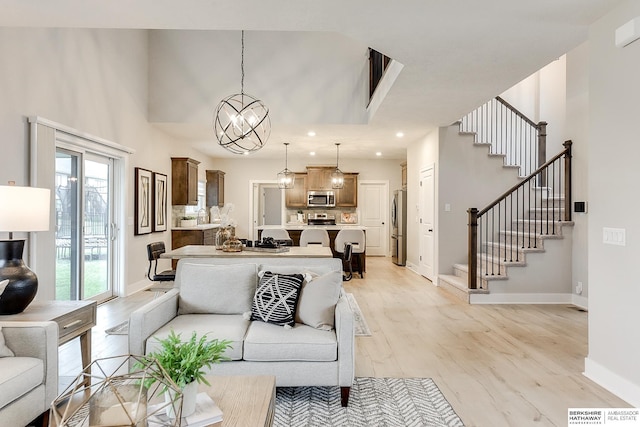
column 28, row 381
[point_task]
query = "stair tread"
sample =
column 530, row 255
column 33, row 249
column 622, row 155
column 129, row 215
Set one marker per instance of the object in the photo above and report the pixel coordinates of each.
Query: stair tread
column 465, row 268
column 461, row 284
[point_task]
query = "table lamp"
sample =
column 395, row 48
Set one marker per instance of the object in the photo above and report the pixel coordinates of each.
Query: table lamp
column 24, row 209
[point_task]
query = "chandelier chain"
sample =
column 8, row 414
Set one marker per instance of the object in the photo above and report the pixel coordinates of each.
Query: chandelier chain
column 242, row 66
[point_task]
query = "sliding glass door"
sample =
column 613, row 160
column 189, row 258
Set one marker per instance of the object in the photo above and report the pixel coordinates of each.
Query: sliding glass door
column 84, row 225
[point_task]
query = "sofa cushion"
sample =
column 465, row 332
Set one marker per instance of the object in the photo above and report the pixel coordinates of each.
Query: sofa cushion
column 18, row 376
column 216, row 289
column 276, row 298
column 4, row 350
column 314, row 270
column 270, row 343
column 318, row 299
column 232, row 327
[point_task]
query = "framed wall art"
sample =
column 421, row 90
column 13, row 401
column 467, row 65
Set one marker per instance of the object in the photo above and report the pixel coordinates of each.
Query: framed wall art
column 159, row 202
column 143, row 201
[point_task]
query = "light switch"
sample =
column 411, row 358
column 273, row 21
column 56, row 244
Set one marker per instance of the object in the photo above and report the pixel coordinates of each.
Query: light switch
column 447, row 207
column 614, row 236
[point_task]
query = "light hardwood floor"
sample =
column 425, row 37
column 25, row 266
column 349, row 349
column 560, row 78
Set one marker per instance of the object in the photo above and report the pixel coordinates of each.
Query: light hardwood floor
column 498, row 365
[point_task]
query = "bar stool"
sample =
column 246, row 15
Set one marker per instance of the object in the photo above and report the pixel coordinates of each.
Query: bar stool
column 276, row 233
column 358, row 243
column 314, row 236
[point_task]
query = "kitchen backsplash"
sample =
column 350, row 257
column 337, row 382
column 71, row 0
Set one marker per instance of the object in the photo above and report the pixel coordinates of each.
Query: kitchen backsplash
column 350, row 215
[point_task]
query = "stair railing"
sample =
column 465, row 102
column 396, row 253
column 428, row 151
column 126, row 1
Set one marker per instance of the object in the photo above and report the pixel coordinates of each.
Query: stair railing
column 515, row 220
column 510, row 133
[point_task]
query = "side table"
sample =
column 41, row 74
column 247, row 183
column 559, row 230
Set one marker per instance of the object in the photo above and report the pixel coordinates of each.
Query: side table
column 74, row 319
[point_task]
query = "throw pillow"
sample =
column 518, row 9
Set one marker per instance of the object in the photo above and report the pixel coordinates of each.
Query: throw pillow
column 276, row 298
column 318, row 300
column 216, row 289
column 4, row 350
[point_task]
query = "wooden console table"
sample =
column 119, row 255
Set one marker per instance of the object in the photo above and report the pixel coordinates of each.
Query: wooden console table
column 74, row 319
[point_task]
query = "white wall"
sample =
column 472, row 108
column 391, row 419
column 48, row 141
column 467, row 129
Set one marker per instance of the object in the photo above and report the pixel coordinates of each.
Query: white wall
column 614, row 289
column 96, row 82
column 577, row 130
column 420, row 155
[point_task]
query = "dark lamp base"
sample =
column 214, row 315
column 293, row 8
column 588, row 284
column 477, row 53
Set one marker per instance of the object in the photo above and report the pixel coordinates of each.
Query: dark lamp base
column 18, row 284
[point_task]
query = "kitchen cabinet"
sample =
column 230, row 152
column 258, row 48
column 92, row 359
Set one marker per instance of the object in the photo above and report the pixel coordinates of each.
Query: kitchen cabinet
column 347, row 196
column 319, row 177
column 296, row 197
column 180, row 238
column 215, row 188
column 184, row 181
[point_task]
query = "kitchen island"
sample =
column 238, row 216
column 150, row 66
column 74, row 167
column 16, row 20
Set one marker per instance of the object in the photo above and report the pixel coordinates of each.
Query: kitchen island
column 295, row 230
column 206, row 251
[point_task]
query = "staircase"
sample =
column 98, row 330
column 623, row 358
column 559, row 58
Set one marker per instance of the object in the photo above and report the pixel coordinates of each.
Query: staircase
column 508, row 251
column 526, row 243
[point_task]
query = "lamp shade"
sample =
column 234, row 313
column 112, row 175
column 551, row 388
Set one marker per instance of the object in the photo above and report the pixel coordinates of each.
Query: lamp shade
column 24, row 208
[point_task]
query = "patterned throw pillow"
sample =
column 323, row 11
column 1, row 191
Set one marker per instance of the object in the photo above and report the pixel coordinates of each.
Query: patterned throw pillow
column 276, row 298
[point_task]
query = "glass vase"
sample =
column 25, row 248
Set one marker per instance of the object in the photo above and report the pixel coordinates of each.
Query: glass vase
column 222, row 235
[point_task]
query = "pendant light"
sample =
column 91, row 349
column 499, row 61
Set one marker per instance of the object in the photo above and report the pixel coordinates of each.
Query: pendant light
column 337, row 177
column 241, row 122
column 286, row 178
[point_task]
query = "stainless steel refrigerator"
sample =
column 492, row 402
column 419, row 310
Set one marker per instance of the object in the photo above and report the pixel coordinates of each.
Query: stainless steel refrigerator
column 399, row 227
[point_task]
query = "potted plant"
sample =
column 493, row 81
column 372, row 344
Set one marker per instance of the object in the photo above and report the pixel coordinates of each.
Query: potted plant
column 184, row 361
column 188, row 221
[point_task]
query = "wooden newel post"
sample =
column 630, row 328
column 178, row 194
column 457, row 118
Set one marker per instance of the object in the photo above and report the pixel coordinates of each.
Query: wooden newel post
column 542, row 150
column 567, row 180
column 473, row 249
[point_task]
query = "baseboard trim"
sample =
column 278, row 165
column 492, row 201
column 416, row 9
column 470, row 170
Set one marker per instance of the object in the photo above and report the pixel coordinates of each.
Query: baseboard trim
column 621, row 387
column 580, row 301
column 411, row 266
column 494, row 298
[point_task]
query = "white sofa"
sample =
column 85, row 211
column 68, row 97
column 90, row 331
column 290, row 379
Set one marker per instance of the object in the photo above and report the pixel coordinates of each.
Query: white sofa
column 29, row 378
column 215, row 296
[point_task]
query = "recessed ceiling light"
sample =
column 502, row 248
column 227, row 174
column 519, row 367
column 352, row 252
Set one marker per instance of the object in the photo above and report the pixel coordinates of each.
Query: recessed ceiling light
column 378, row 153
column 400, row 134
column 313, row 153
column 311, row 133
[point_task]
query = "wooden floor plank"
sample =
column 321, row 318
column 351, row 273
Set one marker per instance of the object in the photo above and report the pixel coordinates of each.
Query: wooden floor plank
column 498, row 365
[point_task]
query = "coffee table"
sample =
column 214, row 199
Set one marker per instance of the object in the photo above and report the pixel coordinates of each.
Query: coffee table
column 244, row 400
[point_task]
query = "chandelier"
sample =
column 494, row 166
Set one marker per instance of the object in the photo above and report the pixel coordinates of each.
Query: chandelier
column 286, row 178
column 337, row 177
column 241, row 121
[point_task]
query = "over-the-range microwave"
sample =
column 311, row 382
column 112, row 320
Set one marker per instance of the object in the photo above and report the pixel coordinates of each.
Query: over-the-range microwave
column 321, row 199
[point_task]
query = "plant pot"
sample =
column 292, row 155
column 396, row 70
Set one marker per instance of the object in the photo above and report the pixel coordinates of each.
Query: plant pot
column 189, row 394
column 188, row 222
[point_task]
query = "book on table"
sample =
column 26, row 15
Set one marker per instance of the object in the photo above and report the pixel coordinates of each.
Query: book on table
column 206, row 413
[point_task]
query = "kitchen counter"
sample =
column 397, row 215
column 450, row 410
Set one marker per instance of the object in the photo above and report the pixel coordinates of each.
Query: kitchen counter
column 204, row 251
column 299, row 226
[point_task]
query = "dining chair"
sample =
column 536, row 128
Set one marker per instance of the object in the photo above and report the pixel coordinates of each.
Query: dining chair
column 154, row 250
column 356, row 238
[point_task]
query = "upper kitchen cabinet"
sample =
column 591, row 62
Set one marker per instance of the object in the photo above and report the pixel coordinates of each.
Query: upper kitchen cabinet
column 347, row 196
column 296, row 197
column 184, row 181
column 215, row 188
column 319, row 177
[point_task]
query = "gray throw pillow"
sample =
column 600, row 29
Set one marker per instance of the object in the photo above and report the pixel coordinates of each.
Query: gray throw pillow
column 4, row 350
column 276, row 298
column 318, row 300
column 216, row 289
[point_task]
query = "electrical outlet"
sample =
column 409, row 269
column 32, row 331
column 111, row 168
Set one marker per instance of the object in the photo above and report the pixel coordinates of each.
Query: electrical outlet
column 579, row 288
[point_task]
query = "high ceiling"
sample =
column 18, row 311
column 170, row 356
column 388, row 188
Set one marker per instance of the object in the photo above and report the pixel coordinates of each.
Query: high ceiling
column 455, row 54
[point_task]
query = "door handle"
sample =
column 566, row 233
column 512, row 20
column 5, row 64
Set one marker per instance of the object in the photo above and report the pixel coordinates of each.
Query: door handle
column 383, row 223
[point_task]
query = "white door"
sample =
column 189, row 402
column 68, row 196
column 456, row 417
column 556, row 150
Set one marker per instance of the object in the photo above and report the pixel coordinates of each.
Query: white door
column 373, row 204
column 427, row 222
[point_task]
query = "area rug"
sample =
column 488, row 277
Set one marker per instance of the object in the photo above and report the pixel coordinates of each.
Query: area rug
column 121, row 329
column 361, row 329
column 382, row 402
